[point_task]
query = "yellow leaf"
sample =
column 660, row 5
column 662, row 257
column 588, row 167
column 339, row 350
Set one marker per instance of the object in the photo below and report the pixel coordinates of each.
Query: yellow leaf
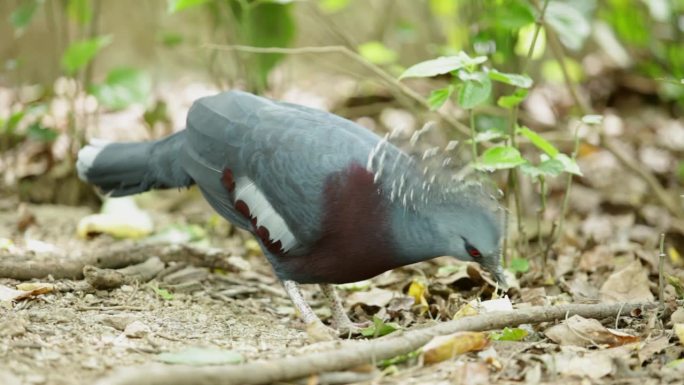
column 675, row 257
column 466, row 311
column 418, row 290
column 36, row 287
column 679, row 331
column 252, row 246
column 442, row 348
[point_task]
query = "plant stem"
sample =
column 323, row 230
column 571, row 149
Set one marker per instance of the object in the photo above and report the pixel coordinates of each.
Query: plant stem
column 513, row 119
column 473, row 133
column 388, row 79
column 661, row 275
column 566, row 198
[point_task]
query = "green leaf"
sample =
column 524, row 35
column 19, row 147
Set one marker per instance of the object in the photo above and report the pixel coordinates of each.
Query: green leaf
column 569, row 164
column 549, row 167
column 38, row 132
column 80, row 11
column 474, row 91
column 439, row 96
column 180, row 5
column 377, row 53
column 514, row 15
column 513, row 100
column 570, row 24
column 519, row 265
column 592, row 120
column 332, row 6
column 509, row 334
column 22, row 16
column 379, row 328
column 201, row 356
column 10, row 125
column 268, row 25
column 171, row 39
column 163, row 293
column 675, row 364
column 538, row 141
column 489, row 135
column 518, row 80
column 123, row 87
column 442, row 65
column 78, row 54
column 500, row 158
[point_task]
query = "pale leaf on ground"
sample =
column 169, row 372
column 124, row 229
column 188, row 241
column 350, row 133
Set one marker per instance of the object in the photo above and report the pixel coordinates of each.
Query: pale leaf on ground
column 679, row 332
column 7, row 294
column 442, row 348
column 630, row 284
column 585, row 332
column 373, row 297
column 652, row 347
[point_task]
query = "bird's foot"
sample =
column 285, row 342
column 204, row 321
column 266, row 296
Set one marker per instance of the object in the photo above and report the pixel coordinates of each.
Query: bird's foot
column 318, row 332
column 350, row 329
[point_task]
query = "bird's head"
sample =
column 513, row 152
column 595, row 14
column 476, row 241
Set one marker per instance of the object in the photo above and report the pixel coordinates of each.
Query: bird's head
column 473, row 234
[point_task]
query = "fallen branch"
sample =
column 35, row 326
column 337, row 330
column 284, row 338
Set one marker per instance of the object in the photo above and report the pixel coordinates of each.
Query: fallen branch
column 106, row 279
column 29, row 266
column 354, row 353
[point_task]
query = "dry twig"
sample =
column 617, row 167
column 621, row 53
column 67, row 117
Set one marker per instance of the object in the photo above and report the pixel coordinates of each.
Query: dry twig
column 353, row 353
column 29, row 266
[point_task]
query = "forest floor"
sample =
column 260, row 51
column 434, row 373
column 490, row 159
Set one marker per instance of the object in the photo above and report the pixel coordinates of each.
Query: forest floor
column 73, row 336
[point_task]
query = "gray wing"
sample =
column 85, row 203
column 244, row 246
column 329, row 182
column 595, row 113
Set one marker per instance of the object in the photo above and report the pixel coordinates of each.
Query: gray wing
column 288, row 151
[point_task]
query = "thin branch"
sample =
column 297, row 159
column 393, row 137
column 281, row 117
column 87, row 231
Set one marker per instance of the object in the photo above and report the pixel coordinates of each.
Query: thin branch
column 350, row 354
column 28, row 266
column 338, row 49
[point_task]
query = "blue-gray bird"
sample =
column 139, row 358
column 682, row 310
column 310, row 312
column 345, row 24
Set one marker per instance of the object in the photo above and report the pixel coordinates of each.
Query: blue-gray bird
column 329, row 201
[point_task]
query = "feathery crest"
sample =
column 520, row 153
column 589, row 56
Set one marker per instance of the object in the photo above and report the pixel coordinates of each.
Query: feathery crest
column 424, row 174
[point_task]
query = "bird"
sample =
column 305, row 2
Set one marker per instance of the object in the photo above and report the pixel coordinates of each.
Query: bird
column 328, row 200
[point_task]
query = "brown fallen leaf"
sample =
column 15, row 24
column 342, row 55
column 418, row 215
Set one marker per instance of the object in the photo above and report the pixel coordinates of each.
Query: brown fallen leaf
column 627, row 285
column 652, row 347
column 579, row 331
column 442, row 348
column 373, row 297
column 7, row 294
column 470, row 373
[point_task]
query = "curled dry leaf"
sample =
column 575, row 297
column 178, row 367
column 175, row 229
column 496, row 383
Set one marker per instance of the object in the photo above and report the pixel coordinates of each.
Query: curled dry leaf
column 8, row 294
column 579, row 331
column 627, row 285
column 442, row 348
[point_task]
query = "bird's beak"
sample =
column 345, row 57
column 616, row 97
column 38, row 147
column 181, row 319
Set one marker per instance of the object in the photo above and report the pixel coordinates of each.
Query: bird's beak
column 499, row 276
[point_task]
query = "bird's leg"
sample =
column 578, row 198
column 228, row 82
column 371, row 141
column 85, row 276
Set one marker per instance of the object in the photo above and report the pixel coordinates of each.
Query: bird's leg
column 314, row 327
column 340, row 318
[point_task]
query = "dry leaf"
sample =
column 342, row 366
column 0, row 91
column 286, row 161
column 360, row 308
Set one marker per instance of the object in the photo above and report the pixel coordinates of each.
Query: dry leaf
column 442, row 348
column 470, row 373
column 652, row 347
column 8, row 294
column 627, row 285
column 373, row 297
column 579, row 331
column 466, row 311
column 679, row 332
column 593, row 365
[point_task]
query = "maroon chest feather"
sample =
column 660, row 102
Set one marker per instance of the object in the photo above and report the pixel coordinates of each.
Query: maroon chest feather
column 356, row 239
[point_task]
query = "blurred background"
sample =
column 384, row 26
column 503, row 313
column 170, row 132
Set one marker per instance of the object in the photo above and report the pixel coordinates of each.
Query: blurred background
column 71, row 70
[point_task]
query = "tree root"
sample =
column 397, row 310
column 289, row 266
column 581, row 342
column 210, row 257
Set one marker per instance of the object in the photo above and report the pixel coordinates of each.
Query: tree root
column 354, row 353
column 29, row 266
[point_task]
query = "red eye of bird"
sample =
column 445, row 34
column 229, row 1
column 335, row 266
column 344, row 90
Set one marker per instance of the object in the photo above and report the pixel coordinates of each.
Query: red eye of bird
column 475, row 253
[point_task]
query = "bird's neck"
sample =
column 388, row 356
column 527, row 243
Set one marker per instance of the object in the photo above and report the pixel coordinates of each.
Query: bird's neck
column 416, row 236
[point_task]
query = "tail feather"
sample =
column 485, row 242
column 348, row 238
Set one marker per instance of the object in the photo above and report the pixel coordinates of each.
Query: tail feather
column 129, row 168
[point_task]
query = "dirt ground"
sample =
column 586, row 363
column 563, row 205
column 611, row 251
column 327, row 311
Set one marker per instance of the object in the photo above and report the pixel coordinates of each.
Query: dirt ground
column 77, row 337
